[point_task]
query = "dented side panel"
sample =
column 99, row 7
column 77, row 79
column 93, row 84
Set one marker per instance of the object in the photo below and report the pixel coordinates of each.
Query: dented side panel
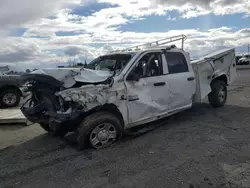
column 146, row 101
column 139, row 101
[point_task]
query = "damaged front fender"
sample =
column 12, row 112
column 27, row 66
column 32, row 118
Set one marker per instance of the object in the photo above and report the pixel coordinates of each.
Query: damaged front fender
column 90, row 96
column 51, row 103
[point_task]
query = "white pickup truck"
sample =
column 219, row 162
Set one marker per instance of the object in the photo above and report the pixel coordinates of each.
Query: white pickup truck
column 125, row 89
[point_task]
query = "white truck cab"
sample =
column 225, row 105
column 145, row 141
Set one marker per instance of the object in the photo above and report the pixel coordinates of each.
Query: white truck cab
column 155, row 81
column 125, row 89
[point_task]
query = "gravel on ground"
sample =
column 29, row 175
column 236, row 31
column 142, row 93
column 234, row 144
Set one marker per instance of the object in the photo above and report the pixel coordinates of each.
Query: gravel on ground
column 201, row 147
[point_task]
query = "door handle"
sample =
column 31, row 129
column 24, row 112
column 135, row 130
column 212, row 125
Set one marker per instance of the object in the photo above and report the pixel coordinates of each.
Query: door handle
column 160, row 84
column 190, row 79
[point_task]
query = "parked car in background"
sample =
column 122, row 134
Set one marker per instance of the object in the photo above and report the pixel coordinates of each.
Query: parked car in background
column 237, row 58
column 245, row 60
column 10, row 91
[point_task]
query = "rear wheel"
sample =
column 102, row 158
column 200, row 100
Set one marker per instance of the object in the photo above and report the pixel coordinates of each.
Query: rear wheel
column 10, row 98
column 99, row 130
column 218, row 96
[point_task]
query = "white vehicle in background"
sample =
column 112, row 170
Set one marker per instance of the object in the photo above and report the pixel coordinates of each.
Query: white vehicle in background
column 245, row 60
column 131, row 87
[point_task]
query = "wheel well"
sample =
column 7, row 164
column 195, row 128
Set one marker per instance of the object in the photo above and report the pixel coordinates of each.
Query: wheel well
column 222, row 78
column 109, row 108
column 10, row 87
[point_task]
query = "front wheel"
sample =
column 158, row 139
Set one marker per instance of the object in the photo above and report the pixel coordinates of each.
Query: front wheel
column 99, row 130
column 218, row 95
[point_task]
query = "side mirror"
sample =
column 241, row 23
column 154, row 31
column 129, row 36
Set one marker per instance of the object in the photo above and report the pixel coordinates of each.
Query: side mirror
column 133, row 77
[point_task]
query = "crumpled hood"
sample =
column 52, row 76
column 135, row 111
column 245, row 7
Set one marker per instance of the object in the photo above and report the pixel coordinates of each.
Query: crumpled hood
column 69, row 76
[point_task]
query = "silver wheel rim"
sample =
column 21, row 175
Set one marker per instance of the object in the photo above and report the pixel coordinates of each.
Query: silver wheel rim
column 9, row 99
column 103, row 135
column 222, row 94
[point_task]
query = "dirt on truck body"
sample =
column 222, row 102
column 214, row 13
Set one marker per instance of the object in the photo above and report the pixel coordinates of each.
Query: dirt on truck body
column 125, row 89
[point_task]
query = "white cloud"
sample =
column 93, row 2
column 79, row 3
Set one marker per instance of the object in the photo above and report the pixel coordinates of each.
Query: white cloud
column 99, row 33
column 18, row 12
column 188, row 8
column 40, row 51
column 110, row 19
column 35, row 32
column 18, row 50
column 170, row 18
column 194, row 8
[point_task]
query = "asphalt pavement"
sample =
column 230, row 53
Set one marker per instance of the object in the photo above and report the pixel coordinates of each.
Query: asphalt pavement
column 201, row 147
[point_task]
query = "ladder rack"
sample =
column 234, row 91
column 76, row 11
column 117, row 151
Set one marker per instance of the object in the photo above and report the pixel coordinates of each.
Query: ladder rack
column 158, row 43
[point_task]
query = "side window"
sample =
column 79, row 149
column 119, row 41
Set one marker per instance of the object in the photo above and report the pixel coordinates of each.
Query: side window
column 176, row 62
column 149, row 65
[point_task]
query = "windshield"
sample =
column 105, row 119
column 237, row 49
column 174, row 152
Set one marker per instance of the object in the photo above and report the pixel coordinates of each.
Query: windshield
column 114, row 62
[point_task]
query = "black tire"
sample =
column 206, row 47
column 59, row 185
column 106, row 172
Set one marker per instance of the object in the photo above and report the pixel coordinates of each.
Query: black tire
column 215, row 97
column 8, row 104
column 93, row 121
column 59, row 132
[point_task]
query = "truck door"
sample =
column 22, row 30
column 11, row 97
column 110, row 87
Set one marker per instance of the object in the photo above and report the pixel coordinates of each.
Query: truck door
column 181, row 81
column 148, row 96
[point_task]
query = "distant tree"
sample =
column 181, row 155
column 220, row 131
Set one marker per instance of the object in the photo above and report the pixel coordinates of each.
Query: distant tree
column 27, row 71
column 85, row 64
column 79, row 64
column 34, row 69
column 72, row 63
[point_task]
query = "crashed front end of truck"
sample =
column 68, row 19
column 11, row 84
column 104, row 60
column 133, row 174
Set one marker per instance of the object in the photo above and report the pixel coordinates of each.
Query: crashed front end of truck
column 61, row 98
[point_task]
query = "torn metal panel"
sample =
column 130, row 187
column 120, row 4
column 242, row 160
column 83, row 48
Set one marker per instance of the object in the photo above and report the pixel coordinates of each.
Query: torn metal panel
column 87, row 96
column 90, row 96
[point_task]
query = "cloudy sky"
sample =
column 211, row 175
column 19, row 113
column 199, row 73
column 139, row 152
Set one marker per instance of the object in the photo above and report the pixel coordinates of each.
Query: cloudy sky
column 45, row 33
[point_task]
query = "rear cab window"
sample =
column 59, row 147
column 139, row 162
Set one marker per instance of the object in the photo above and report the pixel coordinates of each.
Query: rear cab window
column 177, row 62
